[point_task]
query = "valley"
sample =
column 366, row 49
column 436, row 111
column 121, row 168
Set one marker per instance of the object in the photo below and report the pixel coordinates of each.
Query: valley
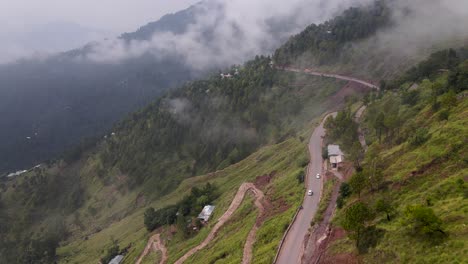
column 345, row 144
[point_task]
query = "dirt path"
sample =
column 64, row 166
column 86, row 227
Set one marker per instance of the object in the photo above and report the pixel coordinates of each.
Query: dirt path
column 236, row 202
column 154, row 243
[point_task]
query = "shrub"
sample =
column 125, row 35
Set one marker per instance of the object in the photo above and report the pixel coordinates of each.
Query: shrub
column 422, row 220
column 420, row 136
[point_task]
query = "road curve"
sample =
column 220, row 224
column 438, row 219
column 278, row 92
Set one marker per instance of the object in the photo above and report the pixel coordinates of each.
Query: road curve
column 236, row 202
column 154, row 243
column 292, row 248
column 330, row 75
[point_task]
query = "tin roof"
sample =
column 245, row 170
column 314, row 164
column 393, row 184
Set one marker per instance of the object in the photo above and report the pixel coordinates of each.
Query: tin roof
column 334, row 150
column 206, row 212
column 117, row 259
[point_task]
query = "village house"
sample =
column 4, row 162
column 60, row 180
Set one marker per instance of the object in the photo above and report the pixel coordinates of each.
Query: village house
column 335, row 156
column 228, row 75
column 206, row 213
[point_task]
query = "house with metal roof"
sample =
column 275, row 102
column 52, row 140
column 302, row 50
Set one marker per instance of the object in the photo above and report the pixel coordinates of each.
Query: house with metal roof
column 117, row 259
column 335, row 155
column 206, row 212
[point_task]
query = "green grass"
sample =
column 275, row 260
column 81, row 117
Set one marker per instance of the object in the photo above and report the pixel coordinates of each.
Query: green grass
column 441, row 162
column 284, row 158
column 120, row 215
column 152, row 258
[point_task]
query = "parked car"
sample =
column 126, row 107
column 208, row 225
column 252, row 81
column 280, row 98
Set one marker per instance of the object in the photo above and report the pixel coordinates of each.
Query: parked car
column 310, row 193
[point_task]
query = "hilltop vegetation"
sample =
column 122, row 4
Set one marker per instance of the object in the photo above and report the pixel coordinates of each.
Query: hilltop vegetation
column 408, row 201
column 204, row 126
column 324, row 44
column 229, row 130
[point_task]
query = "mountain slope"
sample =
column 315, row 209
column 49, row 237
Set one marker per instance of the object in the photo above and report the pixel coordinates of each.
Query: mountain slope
column 415, row 171
column 237, row 127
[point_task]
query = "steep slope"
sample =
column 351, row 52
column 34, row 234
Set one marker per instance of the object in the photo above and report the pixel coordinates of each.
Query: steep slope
column 414, row 175
column 380, row 41
column 238, row 128
column 50, row 103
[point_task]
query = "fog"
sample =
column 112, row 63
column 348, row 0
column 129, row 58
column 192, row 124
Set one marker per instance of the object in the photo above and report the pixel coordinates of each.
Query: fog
column 227, row 32
column 47, row 26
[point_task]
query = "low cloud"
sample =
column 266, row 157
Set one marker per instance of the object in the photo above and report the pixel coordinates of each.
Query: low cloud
column 419, row 27
column 226, row 32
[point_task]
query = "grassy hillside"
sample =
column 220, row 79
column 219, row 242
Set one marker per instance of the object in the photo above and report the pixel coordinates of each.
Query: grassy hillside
column 415, row 172
column 67, row 203
column 283, row 161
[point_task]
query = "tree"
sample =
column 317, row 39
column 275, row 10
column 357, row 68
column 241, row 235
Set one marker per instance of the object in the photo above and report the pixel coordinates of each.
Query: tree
column 149, row 216
column 356, row 153
column 423, row 221
column 358, row 182
column 113, row 251
column 182, row 225
column 376, row 177
column 383, row 206
column 379, row 124
column 448, row 100
column 355, row 219
column 300, row 176
column 344, row 192
column 419, row 137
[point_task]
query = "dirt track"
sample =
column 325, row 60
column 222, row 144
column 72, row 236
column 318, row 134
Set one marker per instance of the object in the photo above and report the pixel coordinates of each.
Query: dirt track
column 236, row 202
column 155, row 244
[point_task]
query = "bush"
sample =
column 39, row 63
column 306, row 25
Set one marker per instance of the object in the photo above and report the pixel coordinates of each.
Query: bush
column 300, row 176
column 444, row 115
column 422, row 220
column 419, row 137
column 345, row 191
column 113, row 251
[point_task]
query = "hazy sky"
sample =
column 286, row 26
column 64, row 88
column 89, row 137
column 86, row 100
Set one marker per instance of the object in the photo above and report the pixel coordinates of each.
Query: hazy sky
column 28, row 26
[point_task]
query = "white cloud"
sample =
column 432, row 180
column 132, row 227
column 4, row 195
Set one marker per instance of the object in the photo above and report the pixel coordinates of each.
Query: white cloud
column 239, row 29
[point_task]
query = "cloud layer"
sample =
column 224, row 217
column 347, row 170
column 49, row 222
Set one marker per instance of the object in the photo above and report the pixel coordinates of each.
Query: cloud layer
column 227, row 32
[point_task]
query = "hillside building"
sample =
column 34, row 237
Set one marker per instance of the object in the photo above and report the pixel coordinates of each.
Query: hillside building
column 335, row 155
column 206, row 213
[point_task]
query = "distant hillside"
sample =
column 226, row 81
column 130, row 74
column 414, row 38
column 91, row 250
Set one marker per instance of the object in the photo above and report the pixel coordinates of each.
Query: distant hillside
column 380, row 41
column 50, row 104
column 242, row 124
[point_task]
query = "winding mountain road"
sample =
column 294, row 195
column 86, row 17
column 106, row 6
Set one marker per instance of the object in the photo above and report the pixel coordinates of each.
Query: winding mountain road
column 293, row 246
column 331, row 75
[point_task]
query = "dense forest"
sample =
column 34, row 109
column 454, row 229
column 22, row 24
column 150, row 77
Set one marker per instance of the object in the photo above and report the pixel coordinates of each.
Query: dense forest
column 323, row 44
column 201, row 127
column 205, row 126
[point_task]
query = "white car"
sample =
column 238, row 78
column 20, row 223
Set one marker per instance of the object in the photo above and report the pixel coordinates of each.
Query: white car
column 310, row 193
column 317, row 176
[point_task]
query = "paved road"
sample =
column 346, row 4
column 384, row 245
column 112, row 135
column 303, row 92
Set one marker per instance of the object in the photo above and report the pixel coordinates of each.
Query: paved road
column 293, row 246
column 336, row 76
